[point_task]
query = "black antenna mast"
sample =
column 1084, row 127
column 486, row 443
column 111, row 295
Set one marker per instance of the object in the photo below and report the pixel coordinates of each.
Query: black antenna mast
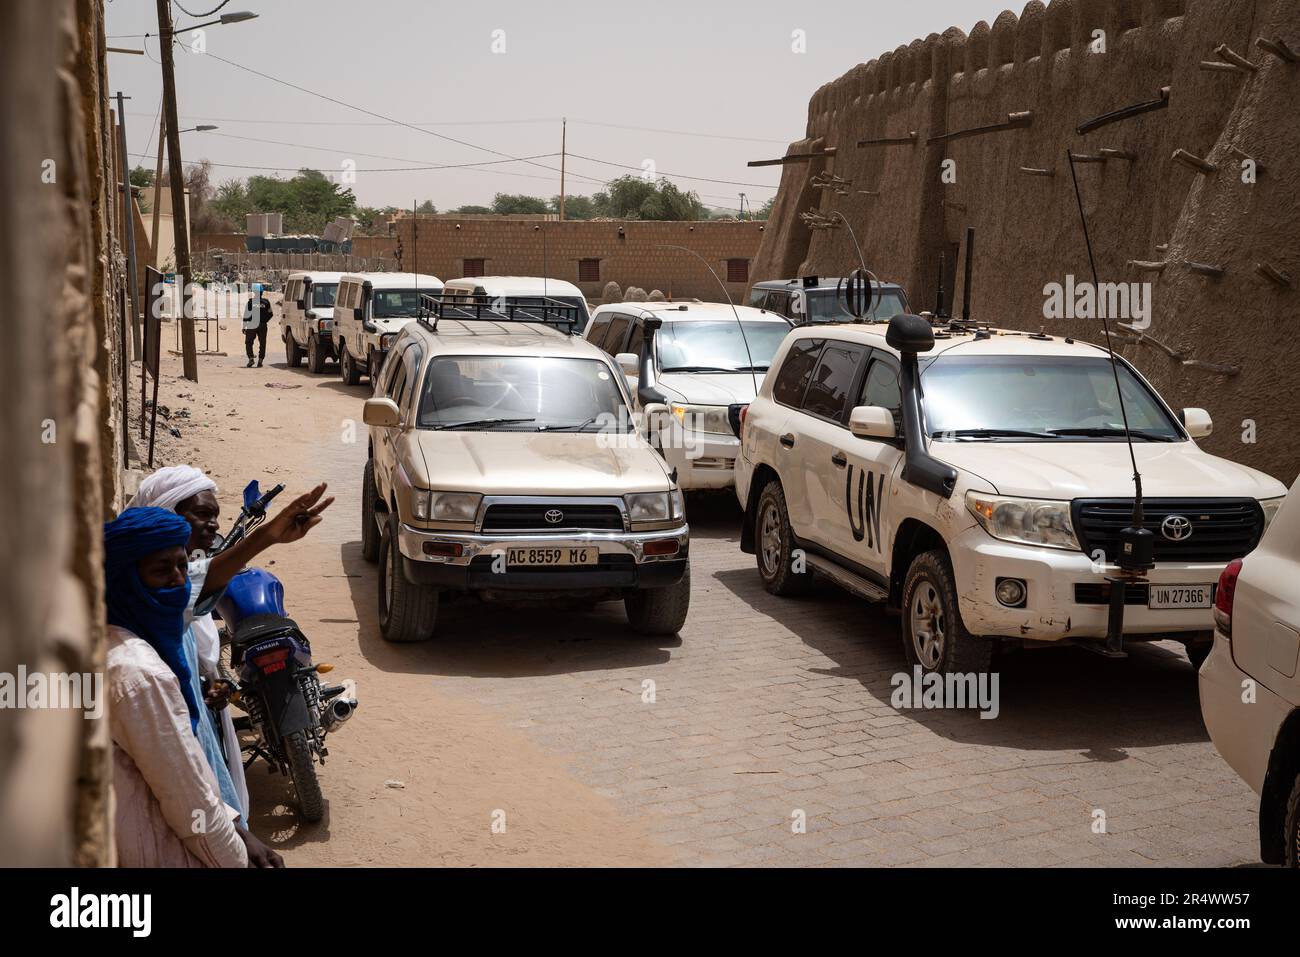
column 739, row 325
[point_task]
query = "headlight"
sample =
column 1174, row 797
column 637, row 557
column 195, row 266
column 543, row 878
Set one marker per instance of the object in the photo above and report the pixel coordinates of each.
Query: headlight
column 702, row 418
column 445, row 506
column 649, row 506
column 1028, row 521
column 386, row 340
column 1271, row 507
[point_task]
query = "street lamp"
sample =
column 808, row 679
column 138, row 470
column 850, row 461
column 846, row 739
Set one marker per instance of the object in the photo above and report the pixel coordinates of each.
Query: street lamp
column 225, row 18
column 199, row 129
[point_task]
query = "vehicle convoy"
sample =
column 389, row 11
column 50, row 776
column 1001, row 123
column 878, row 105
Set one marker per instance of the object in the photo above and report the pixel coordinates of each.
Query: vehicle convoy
column 1250, row 689
column 369, row 311
column 288, row 711
column 504, row 464
column 308, row 318
column 704, row 361
column 521, row 291
column 978, row 479
column 817, row 299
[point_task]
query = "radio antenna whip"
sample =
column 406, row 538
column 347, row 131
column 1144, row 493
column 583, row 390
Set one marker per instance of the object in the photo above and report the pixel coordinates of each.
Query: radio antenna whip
column 739, row 325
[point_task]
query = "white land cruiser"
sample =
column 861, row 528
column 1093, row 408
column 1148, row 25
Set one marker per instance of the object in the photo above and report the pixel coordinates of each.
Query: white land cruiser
column 369, row 311
column 307, row 318
column 981, row 488
column 504, row 462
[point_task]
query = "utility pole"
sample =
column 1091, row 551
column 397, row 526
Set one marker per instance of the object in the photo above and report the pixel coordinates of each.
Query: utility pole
column 180, row 219
column 564, row 132
column 128, row 234
column 157, row 189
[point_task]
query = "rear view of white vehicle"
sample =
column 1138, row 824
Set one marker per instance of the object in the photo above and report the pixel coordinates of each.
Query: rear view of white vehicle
column 307, row 323
column 1250, row 684
column 369, row 311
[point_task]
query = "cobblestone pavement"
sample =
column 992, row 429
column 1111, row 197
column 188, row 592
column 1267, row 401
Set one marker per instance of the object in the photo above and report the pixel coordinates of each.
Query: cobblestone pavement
column 767, row 707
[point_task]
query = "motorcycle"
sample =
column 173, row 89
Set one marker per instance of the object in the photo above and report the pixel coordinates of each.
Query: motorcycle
column 288, row 710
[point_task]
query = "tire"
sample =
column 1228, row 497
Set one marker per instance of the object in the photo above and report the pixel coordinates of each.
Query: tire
column 1197, row 654
column 659, row 611
column 302, row 769
column 774, row 546
column 1291, row 827
column 315, row 356
column 348, row 367
column 406, row 612
column 292, row 353
column 369, row 530
column 945, row 645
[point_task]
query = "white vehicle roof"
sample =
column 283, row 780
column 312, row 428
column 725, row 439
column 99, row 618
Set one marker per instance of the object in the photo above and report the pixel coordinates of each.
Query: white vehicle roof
column 395, row 280
column 491, row 337
column 515, row 286
column 998, row 342
column 315, row 276
column 687, row 311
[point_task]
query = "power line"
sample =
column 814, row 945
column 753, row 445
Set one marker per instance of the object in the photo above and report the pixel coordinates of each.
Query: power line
column 723, row 182
column 308, row 169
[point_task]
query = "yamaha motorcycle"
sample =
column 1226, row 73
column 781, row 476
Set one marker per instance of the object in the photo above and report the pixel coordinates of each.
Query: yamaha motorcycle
column 289, row 712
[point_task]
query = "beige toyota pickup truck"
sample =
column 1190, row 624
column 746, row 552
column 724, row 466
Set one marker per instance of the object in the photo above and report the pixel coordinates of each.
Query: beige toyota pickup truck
column 505, row 463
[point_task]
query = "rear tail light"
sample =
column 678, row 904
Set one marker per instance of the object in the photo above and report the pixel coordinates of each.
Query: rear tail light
column 1224, row 596
column 744, row 409
column 272, row 661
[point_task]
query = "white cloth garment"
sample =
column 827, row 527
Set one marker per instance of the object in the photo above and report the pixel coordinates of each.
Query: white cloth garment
column 168, row 487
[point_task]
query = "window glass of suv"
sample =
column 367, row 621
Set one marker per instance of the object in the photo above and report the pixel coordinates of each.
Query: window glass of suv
column 825, row 306
column 796, row 372
column 636, row 340
column 322, row 294
column 829, row 390
column 395, row 303
column 880, row 388
column 615, row 335
column 520, row 393
column 599, row 328
column 1038, row 397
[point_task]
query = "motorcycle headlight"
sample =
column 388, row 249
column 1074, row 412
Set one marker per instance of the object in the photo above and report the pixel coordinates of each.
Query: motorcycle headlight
column 702, row 418
column 1271, row 507
column 445, row 506
column 1027, row 521
column 649, row 506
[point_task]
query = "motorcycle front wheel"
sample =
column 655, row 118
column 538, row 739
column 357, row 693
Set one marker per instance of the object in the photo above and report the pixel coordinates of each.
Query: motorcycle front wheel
column 302, row 768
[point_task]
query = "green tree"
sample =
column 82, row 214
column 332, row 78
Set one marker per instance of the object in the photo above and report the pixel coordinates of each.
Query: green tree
column 765, row 211
column 575, row 207
column 472, row 209
column 632, row 197
column 426, row 207
column 515, row 203
column 141, row 177
column 308, row 201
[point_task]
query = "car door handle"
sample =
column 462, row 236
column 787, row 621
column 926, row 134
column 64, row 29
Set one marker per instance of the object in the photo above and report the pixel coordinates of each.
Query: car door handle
column 787, row 440
column 839, row 460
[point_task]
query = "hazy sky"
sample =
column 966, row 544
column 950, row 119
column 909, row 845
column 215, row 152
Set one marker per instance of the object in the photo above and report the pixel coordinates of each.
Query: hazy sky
column 698, row 87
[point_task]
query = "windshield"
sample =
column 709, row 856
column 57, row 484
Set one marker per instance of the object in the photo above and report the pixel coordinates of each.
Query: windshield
column 824, row 306
column 718, row 346
column 322, row 294
column 1038, row 397
column 520, row 394
column 397, row 303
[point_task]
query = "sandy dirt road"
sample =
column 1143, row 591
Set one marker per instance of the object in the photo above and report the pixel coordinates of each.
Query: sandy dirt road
column 459, row 766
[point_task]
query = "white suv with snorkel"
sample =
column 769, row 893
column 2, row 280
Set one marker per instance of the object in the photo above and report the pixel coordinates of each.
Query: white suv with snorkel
column 369, row 311
column 979, row 479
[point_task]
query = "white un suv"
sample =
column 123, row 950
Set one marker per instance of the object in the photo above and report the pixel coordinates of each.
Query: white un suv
column 988, row 505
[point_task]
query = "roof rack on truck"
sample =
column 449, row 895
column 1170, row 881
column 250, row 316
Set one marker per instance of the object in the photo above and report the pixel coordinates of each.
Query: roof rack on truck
column 551, row 312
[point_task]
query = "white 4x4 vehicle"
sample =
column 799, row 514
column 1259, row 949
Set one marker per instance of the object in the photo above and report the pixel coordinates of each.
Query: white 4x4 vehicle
column 369, row 311
column 982, row 487
column 307, row 320
column 1250, row 685
column 503, row 462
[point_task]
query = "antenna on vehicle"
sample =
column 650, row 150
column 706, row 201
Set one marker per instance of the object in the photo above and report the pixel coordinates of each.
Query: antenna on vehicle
column 938, row 308
column 853, row 304
column 1136, row 543
column 965, row 287
column 739, row 325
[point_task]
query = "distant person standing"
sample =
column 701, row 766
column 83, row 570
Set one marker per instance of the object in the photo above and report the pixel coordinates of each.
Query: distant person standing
column 257, row 317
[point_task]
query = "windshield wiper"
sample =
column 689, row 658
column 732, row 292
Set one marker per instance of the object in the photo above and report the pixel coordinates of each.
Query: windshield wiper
column 696, row 369
column 1101, row 431
column 477, row 423
column 993, row 434
column 752, row 368
column 577, row 426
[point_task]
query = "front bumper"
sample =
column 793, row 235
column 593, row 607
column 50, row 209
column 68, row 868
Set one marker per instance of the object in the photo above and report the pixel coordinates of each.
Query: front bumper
column 703, row 460
column 325, row 338
column 1052, row 609
column 1243, row 733
column 481, row 564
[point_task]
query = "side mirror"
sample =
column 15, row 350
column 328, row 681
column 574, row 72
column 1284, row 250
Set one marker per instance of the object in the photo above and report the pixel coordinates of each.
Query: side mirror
column 910, row 334
column 301, row 303
column 628, row 362
column 872, row 422
column 381, row 412
column 1197, row 422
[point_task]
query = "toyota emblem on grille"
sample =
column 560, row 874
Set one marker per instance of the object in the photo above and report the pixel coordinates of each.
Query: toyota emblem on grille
column 1176, row 528
column 554, row 516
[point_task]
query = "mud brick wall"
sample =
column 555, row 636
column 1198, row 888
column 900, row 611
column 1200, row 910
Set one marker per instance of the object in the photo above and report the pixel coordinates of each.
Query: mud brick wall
column 631, row 253
column 1218, row 343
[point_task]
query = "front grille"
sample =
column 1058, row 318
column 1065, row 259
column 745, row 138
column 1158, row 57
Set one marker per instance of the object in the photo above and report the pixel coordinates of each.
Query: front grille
column 1221, row 528
column 503, row 517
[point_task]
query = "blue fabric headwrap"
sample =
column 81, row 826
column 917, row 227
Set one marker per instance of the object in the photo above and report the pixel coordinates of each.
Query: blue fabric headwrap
column 155, row 614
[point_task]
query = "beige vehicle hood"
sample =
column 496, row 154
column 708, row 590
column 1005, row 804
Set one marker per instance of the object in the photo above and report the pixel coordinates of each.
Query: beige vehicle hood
column 1069, row 470
column 536, row 463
